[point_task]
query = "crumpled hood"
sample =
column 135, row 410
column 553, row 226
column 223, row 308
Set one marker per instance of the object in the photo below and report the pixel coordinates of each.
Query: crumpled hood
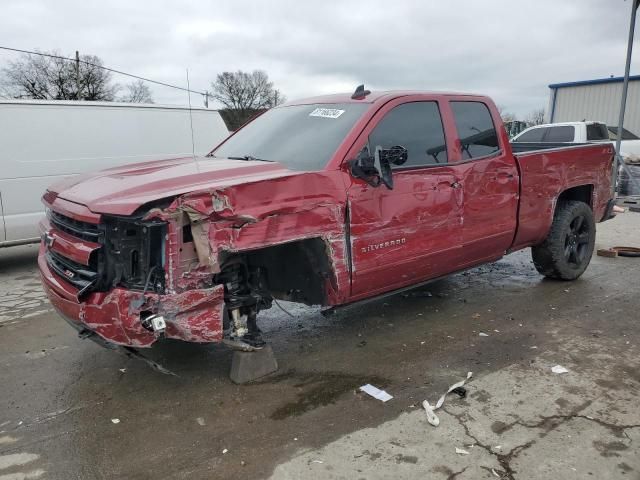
column 122, row 190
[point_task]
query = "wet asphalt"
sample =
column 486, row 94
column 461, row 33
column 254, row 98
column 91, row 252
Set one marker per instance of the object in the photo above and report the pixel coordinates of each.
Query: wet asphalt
column 71, row 409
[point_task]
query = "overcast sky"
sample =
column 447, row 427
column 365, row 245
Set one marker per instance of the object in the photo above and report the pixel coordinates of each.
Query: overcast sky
column 509, row 49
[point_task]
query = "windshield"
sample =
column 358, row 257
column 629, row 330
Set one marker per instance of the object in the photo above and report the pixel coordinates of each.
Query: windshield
column 302, row 137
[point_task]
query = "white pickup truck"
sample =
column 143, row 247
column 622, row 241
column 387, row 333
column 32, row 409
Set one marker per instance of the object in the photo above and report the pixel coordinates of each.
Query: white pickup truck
column 582, row 132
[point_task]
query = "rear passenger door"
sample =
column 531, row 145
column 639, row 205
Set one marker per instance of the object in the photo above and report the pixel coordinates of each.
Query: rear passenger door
column 490, row 183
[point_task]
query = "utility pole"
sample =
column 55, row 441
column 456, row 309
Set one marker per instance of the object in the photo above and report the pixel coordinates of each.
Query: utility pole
column 78, row 96
column 617, row 161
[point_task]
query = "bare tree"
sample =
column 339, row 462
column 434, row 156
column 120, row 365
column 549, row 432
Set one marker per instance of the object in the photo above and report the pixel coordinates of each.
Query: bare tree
column 137, row 92
column 536, row 117
column 50, row 78
column 506, row 116
column 244, row 94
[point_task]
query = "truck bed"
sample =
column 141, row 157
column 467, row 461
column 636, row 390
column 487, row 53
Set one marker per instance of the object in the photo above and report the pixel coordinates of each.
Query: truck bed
column 546, row 172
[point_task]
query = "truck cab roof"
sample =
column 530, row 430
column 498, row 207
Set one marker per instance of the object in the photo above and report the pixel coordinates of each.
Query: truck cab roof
column 375, row 97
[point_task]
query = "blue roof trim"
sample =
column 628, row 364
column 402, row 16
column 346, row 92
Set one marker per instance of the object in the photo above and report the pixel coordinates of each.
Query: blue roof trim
column 596, row 81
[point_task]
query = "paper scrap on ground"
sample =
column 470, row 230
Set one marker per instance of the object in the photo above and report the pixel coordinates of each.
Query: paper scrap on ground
column 432, row 418
column 461, row 451
column 376, row 392
column 115, row 420
column 482, row 334
column 559, row 369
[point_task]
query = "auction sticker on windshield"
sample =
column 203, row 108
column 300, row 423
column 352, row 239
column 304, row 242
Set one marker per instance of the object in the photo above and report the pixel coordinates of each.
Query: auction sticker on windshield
column 326, row 113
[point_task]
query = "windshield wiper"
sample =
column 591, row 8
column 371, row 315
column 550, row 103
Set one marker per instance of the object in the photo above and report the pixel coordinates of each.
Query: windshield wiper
column 249, row 158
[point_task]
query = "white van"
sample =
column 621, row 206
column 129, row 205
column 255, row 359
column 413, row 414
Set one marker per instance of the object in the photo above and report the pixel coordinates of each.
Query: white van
column 44, row 141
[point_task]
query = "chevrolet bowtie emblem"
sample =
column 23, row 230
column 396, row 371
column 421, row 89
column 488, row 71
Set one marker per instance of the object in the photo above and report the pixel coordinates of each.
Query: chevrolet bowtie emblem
column 48, row 239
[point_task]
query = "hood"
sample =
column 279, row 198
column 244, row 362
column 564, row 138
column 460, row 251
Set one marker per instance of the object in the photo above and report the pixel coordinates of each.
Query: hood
column 122, row 190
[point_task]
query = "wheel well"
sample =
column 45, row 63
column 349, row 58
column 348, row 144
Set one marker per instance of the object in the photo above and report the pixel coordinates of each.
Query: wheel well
column 582, row 193
column 295, row 271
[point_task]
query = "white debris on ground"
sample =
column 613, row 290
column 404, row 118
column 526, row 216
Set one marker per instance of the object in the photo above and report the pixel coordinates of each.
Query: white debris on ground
column 376, row 392
column 559, row 369
column 432, row 418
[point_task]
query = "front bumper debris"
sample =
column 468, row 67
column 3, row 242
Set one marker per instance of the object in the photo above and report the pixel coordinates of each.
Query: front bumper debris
column 118, row 315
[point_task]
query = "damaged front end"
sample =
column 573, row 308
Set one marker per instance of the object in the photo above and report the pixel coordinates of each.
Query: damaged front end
column 134, row 280
column 199, row 267
column 108, row 275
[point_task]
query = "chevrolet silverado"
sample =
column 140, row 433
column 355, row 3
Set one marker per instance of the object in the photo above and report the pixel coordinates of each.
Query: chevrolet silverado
column 325, row 201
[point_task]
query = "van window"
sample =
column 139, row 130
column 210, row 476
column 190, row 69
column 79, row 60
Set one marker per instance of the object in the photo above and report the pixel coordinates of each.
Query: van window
column 534, row 135
column 476, row 130
column 597, row 131
column 417, row 126
column 562, row 133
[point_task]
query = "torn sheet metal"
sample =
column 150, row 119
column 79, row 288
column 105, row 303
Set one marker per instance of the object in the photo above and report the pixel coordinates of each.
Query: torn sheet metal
column 193, row 315
column 432, row 418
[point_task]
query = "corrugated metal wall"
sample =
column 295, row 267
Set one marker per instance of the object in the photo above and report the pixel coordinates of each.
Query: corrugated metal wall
column 597, row 102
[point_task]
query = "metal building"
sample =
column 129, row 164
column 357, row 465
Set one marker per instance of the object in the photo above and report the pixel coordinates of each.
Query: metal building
column 597, row 99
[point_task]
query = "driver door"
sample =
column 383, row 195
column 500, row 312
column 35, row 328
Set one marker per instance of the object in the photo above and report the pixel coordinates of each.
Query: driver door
column 412, row 232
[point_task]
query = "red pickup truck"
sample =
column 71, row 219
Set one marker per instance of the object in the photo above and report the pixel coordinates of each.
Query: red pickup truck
column 325, row 201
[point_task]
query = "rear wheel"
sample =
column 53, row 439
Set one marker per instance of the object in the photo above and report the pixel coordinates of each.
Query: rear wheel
column 567, row 250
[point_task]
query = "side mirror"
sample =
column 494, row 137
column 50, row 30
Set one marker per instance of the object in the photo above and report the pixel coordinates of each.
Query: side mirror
column 384, row 157
column 363, row 167
column 377, row 169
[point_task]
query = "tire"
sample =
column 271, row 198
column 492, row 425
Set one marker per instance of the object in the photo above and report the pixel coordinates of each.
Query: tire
column 567, row 250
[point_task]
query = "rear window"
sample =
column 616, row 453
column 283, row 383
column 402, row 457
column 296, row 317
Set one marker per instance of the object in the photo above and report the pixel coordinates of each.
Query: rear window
column 534, row 135
column 563, row 133
column 597, row 131
column 476, row 130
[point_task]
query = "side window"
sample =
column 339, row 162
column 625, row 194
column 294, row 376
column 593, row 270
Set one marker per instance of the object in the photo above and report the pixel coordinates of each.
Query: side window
column 475, row 128
column 417, row 126
column 564, row 133
column 534, row 135
column 597, row 131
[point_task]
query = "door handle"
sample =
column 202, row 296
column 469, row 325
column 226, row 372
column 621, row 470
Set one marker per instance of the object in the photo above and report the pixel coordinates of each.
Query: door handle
column 456, row 185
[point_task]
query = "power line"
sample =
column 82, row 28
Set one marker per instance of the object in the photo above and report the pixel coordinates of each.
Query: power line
column 205, row 94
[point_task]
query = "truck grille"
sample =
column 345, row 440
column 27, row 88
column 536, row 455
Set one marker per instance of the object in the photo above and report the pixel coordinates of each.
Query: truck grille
column 84, row 230
column 130, row 255
column 83, row 277
column 80, row 276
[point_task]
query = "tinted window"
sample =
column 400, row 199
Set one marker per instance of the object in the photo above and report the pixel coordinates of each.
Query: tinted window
column 534, row 135
column 597, row 131
column 564, row 133
column 417, row 127
column 475, row 128
column 302, row 137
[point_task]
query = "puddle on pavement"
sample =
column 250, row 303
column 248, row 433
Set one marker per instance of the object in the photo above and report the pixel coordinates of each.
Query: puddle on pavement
column 319, row 389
